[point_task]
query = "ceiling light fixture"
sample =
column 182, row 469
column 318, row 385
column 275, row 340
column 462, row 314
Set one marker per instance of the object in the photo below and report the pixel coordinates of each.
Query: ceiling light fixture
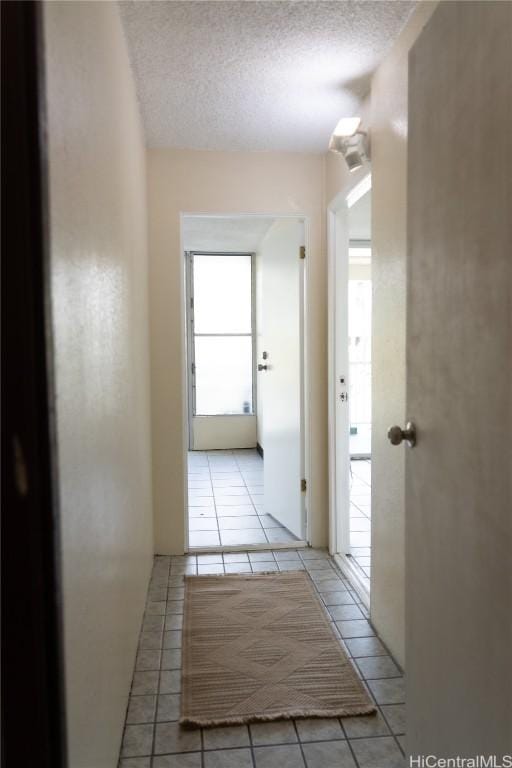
column 347, row 126
column 351, row 142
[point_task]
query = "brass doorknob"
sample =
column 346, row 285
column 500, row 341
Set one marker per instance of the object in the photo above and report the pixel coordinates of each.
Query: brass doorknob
column 397, row 435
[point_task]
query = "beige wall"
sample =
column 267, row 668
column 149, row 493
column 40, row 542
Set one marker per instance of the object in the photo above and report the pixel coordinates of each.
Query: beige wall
column 212, row 433
column 224, row 182
column 99, row 297
column 386, row 116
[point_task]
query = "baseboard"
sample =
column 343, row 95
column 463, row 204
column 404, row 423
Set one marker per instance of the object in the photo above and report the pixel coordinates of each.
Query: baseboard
column 352, row 574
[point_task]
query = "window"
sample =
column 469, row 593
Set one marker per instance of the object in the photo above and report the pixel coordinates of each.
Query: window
column 222, row 334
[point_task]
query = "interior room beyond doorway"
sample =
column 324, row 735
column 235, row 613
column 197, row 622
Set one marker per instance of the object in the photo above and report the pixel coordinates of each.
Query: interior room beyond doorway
column 360, row 372
column 227, row 502
column 244, row 309
column 350, row 390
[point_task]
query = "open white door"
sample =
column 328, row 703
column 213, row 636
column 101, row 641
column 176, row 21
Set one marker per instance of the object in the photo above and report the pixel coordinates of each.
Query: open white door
column 339, row 370
column 281, row 379
column 339, row 457
column 459, row 385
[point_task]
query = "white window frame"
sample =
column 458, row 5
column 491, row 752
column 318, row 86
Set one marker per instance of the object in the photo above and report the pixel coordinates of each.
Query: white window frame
column 191, row 334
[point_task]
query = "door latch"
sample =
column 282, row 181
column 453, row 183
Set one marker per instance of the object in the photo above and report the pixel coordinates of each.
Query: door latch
column 344, row 397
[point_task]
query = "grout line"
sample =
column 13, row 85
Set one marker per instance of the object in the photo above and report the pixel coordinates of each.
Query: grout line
column 153, row 740
column 355, row 475
column 299, row 741
column 245, row 486
column 349, row 744
column 251, row 745
column 214, row 503
column 252, row 502
column 202, row 747
column 395, row 736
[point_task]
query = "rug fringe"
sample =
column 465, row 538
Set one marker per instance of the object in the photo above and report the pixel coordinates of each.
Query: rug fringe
column 192, row 722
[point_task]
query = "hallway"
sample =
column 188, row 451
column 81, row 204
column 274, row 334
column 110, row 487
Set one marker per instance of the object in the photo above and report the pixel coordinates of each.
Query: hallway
column 152, row 734
column 226, row 501
column 342, row 155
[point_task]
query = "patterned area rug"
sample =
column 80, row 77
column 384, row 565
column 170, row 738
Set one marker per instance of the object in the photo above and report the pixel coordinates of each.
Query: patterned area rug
column 259, row 647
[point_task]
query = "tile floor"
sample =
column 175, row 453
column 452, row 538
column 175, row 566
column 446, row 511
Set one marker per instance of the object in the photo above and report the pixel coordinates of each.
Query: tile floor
column 226, row 505
column 360, row 516
column 153, row 737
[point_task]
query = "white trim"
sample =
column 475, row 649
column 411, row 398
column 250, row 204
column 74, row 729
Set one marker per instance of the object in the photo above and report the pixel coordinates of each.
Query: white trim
column 207, row 215
column 306, row 383
column 358, row 190
column 330, row 376
column 248, row 547
column 339, row 454
column 350, row 571
column 191, row 335
column 184, row 315
column 338, row 414
column 189, row 278
column 306, row 453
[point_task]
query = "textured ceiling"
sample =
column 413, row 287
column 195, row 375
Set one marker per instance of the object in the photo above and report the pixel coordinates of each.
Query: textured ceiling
column 242, row 234
column 247, row 75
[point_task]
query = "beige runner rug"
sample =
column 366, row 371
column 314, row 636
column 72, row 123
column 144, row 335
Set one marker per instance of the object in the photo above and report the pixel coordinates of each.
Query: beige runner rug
column 259, row 647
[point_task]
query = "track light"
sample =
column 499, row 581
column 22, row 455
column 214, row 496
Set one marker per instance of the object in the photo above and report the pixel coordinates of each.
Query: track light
column 348, row 140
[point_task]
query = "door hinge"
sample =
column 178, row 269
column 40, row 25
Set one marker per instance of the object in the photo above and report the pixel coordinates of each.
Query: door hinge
column 302, row 252
column 193, row 368
column 303, row 485
column 191, row 303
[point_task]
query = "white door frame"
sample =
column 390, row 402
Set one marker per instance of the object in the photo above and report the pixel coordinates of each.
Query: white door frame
column 339, row 415
column 305, row 376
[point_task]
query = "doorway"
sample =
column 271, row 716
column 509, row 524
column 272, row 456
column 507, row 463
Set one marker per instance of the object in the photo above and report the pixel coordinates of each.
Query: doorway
column 350, row 304
column 245, row 381
column 360, row 383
